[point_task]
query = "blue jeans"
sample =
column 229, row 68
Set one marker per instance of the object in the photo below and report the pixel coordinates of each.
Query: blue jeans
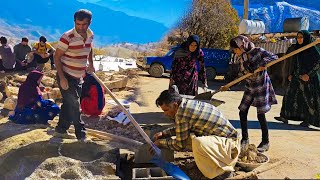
column 70, row 109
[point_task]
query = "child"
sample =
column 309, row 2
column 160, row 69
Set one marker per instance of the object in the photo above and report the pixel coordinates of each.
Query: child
column 259, row 91
column 92, row 96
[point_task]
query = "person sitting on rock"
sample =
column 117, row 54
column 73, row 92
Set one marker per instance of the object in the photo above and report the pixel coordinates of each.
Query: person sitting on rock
column 7, row 57
column 215, row 142
column 92, row 96
column 21, row 53
column 43, row 51
column 31, row 108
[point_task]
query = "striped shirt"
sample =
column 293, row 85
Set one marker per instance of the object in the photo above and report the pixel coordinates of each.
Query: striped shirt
column 77, row 50
column 196, row 117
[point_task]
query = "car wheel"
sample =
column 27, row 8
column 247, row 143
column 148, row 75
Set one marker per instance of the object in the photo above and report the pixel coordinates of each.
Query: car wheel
column 211, row 73
column 156, row 70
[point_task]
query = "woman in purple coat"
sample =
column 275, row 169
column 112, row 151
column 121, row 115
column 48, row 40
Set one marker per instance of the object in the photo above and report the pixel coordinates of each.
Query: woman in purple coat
column 184, row 73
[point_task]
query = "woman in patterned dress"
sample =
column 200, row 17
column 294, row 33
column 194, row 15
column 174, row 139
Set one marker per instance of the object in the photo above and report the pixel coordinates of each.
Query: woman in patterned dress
column 31, row 108
column 301, row 101
column 259, row 91
column 184, row 67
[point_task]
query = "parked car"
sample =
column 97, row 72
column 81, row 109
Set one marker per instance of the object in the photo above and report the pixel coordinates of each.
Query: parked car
column 216, row 62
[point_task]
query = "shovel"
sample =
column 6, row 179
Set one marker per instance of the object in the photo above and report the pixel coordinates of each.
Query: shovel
column 208, row 95
column 169, row 168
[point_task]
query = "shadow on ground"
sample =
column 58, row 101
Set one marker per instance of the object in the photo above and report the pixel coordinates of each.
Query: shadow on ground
column 274, row 125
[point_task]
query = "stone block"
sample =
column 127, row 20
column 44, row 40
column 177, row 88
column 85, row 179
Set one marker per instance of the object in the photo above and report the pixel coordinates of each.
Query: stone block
column 142, row 154
column 149, row 173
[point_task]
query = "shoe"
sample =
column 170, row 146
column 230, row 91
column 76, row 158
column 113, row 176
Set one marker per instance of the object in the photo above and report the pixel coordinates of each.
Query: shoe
column 85, row 140
column 244, row 144
column 263, row 147
column 63, row 135
column 304, row 124
column 284, row 120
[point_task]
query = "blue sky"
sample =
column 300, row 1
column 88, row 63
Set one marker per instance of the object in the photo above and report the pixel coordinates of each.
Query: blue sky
column 163, row 11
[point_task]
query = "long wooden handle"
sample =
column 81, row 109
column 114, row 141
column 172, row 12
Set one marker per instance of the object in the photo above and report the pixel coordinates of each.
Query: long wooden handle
column 133, row 121
column 271, row 63
column 258, row 170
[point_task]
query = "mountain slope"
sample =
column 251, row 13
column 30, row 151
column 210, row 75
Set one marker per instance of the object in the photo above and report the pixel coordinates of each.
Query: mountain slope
column 274, row 15
column 53, row 17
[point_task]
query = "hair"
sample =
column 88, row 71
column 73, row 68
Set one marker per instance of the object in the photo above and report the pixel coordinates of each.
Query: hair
column 25, row 39
column 82, row 14
column 43, row 39
column 167, row 97
column 233, row 44
column 3, row 40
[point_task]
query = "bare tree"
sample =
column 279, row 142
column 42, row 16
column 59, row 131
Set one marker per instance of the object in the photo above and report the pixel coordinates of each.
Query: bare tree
column 214, row 21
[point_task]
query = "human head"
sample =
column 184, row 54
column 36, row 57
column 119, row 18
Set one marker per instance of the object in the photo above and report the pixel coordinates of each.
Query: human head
column 82, row 20
column 3, row 40
column 240, row 44
column 169, row 101
column 304, row 38
column 34, row 77
column 24, row 41
column 42, row 40
column 193, row 43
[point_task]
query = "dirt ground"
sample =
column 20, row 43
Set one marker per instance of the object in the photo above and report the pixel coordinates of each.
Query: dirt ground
column 297, row 145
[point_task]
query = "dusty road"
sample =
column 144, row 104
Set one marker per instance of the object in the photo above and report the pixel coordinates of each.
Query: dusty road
column 299, row 146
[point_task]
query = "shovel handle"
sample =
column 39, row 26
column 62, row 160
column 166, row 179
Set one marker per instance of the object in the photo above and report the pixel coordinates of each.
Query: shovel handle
column 133, row 121
column 227, row 86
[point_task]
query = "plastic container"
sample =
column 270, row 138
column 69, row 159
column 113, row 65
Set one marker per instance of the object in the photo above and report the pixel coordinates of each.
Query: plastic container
column 251, row 27
column 295, row 24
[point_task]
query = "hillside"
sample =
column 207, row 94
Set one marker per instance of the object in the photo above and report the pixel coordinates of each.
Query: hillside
column 273, row 14
column 36, row 17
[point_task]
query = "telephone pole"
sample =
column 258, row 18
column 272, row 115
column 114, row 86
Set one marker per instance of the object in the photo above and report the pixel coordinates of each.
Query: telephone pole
column 245, row 9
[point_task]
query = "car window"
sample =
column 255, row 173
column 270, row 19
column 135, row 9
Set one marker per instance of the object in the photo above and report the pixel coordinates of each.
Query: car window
column 170, row 53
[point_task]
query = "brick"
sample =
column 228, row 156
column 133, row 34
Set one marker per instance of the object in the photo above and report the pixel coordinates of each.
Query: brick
column 142, row 154
column 149, row 173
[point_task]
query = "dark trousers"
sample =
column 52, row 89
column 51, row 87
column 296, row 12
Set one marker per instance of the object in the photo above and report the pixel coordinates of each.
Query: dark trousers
column 244, row 125
column 40, row 60
column 70, row 109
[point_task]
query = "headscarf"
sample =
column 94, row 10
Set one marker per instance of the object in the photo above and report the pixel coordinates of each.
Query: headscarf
column 309, row 57
column 243, row 43
column 183, row 51
column 29, row 91
column 89, row 81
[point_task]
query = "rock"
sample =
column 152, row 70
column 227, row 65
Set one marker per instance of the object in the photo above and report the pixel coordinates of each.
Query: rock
column 47, row 81
column 19, row 78
column 1, row 96
column 11, row 91
column 10, row 103
column 3, row 86
column 56, row 93
column 117, row 82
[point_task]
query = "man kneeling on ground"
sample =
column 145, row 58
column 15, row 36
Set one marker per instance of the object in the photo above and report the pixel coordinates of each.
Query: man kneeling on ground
column 215, row 142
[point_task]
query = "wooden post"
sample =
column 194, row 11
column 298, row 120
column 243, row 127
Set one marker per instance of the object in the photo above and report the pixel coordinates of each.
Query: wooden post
column 245, row 9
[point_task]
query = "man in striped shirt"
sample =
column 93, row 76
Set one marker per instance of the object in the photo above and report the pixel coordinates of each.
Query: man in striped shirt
column 73, row 52
column 215, row 142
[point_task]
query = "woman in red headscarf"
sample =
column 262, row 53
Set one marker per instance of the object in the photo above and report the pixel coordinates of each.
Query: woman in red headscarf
column 31, row 108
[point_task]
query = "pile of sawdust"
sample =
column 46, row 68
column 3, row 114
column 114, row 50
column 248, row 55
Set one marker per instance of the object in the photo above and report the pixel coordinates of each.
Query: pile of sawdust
column 250, row 154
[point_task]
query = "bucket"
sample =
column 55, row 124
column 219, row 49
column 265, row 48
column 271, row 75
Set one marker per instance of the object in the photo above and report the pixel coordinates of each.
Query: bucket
column 251, row 27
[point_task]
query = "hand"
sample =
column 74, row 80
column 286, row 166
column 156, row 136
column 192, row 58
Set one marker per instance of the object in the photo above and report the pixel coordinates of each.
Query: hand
column 46, row 55
column 157, row 136
column 90, row 68
column 223, row 88
column 64, row 83
column 290, row 77
column 304, row 77
column 23, row 63
column 171, row 82
column 261, row 68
